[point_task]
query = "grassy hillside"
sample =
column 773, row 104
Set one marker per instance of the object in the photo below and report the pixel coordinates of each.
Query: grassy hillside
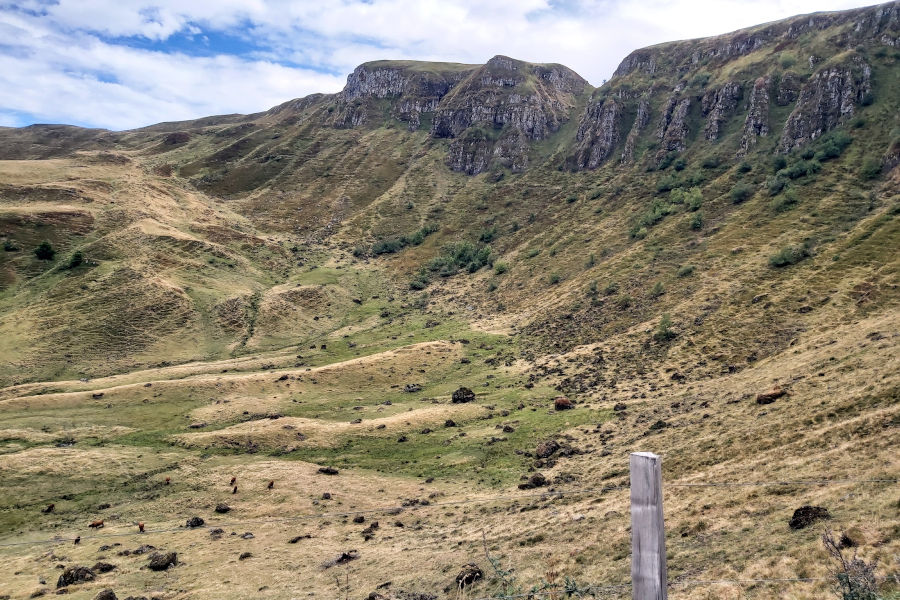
column 263, row 296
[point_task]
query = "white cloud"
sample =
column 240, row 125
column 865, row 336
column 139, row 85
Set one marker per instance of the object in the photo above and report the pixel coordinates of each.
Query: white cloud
column 78, row 61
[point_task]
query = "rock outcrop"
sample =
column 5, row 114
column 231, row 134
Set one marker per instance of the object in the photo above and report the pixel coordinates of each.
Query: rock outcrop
column 717, row 105
column 672, row 130
column 498, row 110
column 598, row 134
column 756, row 124
column 827, row 99
column 642, row 117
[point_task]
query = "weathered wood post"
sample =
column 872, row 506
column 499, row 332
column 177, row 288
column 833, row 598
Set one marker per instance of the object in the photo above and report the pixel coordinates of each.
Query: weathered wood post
column 648, row 534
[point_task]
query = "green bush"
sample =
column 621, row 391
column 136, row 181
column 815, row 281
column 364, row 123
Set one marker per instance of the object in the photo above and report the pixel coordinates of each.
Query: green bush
column 571, row 199
column 657, row 290
column 871, row 169
column 744, row 167
column 775, row 184
column 501, row 267
column 801, row 168
column 833, row 145
column 789, row 255
column 664, row 331
column 611, row 288
column 396, row 244
column 741, row 192
column 45, row 251
column 487, row 235
column 778, row 162
column 679, row 164
column 697, row 221
column 686, row 271
column 657, row 211
column 624, row 301
column 711, row 162
column 554, row 278
column 785, row 201
column 75, row 260
column 591, row 261
column 532, row 252
column 669, row 182
column 9, row 246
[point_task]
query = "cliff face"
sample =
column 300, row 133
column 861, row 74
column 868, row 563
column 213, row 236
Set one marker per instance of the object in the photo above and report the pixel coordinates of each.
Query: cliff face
column 498, row 110
column 722, row 90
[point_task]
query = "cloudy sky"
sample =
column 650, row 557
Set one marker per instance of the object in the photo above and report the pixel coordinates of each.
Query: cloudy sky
column 126, row 63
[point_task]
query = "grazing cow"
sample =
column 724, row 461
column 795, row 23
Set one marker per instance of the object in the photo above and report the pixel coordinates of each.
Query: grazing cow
column 234, row 491
column 140, row 527
column 271, row 484
column 96, row 524
column 168, row 480
column 77, row 540
column 233, row 479
column 49, row 509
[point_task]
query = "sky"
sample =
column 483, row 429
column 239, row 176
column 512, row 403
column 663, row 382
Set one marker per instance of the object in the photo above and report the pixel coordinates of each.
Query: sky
column 121, row 64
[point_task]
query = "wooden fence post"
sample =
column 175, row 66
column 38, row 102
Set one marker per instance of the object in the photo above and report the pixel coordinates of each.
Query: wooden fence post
column 648, row 534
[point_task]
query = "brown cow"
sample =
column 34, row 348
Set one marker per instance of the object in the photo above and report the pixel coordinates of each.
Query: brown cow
column 77, row 539
column 140, row 527
column 96, row 524
column 168, row 480
column 271, row 484
column 234, row 491
column 49, row 509
column 233, row 479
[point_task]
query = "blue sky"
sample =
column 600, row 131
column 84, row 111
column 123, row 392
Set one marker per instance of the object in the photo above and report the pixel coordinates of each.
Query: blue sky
column 122, row 64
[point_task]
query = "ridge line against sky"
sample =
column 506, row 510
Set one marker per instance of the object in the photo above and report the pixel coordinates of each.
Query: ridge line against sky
column 122, row 64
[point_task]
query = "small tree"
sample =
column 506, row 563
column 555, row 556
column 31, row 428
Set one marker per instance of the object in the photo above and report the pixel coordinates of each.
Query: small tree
column 45, row 251
column 664, row 330
column 76, row 259
column 854, row 578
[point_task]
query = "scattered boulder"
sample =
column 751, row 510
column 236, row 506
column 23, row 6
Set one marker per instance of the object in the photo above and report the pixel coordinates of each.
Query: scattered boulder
column 106, row 594
column 463, row 395
column 216, row 532
column 194, row 522
column 620, row 406
column 222, row 508
column 102, row 567
column 562, row 403
column 449, row 423
column 245, row 555
column 297, row 538
column 369, row 532
column 328, row 470
column 469, row 574
column 73, row 575
column 160, row 561
column 807, row 515
column 342, row 558
column 535, row 481
column 412, row 388
column 198, row 425
column 546, row 449
column 771, row 396
column 359, row 519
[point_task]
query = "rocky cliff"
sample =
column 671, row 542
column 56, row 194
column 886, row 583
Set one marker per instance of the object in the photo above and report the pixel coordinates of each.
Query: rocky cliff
column 820, row 66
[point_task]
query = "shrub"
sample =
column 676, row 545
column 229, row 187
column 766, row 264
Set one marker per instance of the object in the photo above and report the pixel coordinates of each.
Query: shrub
column 787, row 61
column 697, row 221
column 711, row 162
column 679, row 164
column 833, row 144
column 531, row 253
column 45, row 251
column 667, row 183
column 686, row 271
column 611, row 288
column 785, row 201
column 789, row 255
column 9, row 246
column 591, row 261
column 741, row 192
column 501, row 267
column 571, row 199
column 592, row 288
column 655, row 213
column 657, row 290
column 854, row 578
column 389, row 246
column 624, row 301
column 75, row 260
column 420, row 281
column 801, row 168
column 596, row 193
column 664, row 330
column 487, row 235
column 775, row 184
column 492, row 286
column 778, row 162
column 666, row 161
column 744, row 167
column 554, row 278
column 871, row 168
column 693, row 197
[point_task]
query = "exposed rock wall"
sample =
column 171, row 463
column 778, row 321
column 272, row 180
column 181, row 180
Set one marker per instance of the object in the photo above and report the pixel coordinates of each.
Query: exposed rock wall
column 719, row 104
column 756, row 124
column 828, row 98
column 598, row 134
